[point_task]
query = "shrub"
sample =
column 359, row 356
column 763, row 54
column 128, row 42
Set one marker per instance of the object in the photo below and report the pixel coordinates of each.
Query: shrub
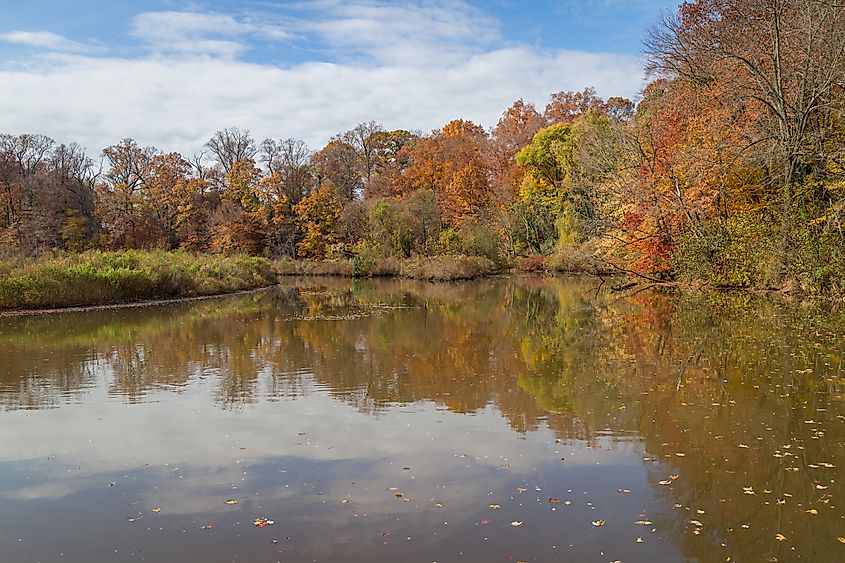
column 740, row 254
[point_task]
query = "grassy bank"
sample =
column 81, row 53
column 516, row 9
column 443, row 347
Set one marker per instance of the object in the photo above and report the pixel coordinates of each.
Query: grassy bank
column 99, row 278
column 433, row 268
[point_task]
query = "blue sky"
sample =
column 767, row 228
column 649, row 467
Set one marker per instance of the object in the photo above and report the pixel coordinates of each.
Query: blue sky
column 170, row 72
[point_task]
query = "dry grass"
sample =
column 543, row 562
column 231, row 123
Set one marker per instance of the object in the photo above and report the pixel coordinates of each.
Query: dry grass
column 435, row 268
column 99, row 278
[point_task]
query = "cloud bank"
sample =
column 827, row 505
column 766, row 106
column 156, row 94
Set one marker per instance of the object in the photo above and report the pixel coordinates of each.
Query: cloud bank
column 407, row 66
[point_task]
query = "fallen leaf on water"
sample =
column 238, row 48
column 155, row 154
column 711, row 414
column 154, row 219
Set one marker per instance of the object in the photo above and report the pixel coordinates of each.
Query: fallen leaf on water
column 742, row 445
column 680, row 454
column 521, row 489
column 643, row 523
column 231, row 501
column 599, row 522
column 438, row 505
column 207, row 526
column 260, row 522
column 554, row 500
column 516, row 523
column 695, row 523
column 639, row 540
column 780, row 537
column 812, row 511
column 399, row 495
column 623, row 490
column 156, row 510
column 840, row 539
column 665, row 482
column 112, row 484
column 567, row 502
column 484, row 522
column 495, row 506
column 344, row 500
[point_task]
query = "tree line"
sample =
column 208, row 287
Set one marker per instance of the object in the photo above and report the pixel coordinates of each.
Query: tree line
column 730, row 168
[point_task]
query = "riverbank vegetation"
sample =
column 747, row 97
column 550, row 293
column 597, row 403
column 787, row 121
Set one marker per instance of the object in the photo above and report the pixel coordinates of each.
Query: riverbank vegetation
column 729, row 169
column 99, row 278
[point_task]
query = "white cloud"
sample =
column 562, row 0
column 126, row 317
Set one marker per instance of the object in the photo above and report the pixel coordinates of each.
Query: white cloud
column 199, row 32
column 407, row 67
column 43, row 40
column 403, row 33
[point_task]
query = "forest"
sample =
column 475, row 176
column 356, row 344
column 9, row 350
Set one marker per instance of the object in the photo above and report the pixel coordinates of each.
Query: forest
column 728, row 170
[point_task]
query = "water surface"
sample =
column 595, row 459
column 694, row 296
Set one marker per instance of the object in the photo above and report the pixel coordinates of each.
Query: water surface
column 502, row 420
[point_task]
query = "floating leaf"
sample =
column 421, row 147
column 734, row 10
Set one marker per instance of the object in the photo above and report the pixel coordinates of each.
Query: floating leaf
column 599, row 522
column 156, row 510
column 643, row 523
column 516, row 523
column 812, row 511
column 840, row 539
column 780, row 537
column 261, row 522
column 554, row 500
column 231, row 501
column 208, row 526
column 521, row 489
column 640, row 540
column 495, row 506
column 438, row 505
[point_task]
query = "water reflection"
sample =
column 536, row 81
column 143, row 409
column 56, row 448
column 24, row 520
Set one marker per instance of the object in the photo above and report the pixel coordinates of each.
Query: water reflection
column 722, row 414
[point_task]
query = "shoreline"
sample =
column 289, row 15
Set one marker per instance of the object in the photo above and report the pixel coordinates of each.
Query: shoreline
column 630, row 288
column 12, row 313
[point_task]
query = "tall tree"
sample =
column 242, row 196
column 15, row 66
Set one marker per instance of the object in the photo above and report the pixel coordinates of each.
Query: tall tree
column 231, row 145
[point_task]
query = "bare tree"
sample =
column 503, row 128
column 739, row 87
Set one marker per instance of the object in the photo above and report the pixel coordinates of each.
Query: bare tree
column 230, row 146
column 366, row 140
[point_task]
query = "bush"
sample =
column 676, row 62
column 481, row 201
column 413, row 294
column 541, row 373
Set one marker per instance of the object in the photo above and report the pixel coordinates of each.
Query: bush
column 470, row 240
column 535, row 263
column 743, row 253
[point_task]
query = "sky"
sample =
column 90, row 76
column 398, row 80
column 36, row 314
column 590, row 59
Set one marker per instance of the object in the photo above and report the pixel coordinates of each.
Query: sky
column 169, row 73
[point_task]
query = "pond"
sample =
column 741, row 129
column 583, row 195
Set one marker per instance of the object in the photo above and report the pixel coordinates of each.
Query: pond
column 512, row 419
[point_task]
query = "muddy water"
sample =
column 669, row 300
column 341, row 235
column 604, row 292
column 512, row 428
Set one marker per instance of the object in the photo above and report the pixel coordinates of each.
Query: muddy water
column 501, row 420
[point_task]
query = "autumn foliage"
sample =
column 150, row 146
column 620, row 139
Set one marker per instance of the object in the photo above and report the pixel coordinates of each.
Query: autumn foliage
column 737, row 142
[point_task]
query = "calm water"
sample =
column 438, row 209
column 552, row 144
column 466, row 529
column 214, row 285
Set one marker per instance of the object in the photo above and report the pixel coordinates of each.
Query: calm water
column 502, row 420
